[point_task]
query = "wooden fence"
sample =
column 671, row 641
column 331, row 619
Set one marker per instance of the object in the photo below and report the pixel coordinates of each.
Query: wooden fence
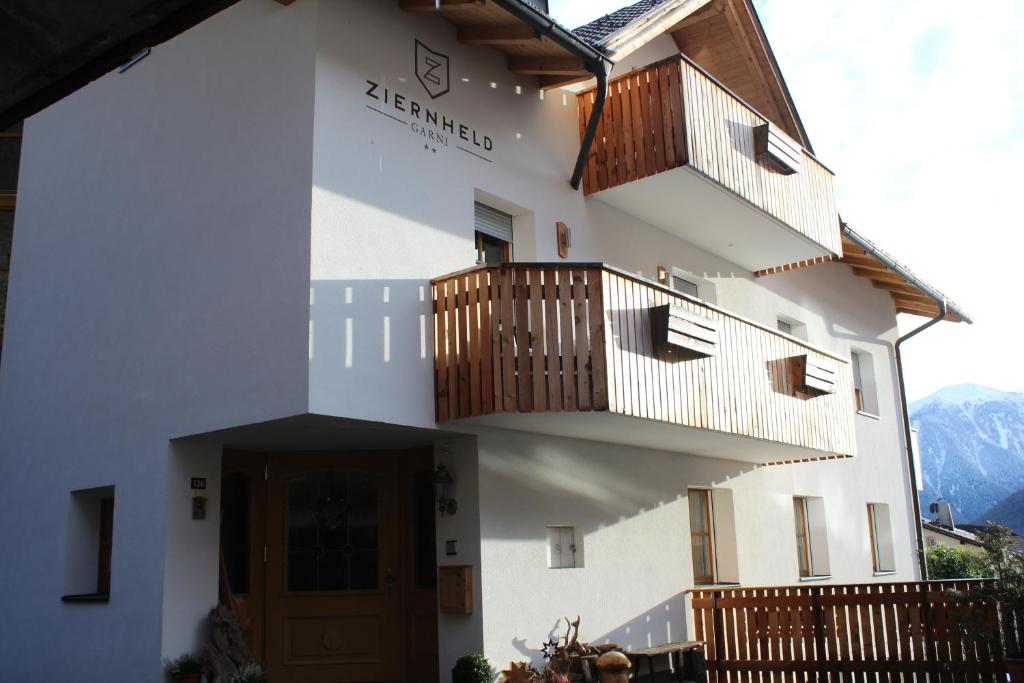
column 867, row 632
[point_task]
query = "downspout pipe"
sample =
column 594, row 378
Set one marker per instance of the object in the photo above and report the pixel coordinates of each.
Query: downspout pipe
column 907, row 435
column 588, row 135
column 594, row 61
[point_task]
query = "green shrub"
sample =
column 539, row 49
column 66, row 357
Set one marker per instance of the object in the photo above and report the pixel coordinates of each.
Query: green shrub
column 472, row 669
column 957, row 562
column 186, row 664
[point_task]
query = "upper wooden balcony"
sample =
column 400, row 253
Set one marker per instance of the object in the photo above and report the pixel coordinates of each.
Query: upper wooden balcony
column 583, row 350
column 670, row 135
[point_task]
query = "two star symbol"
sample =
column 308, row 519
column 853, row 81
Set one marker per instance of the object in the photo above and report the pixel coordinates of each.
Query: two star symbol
column 432, row 149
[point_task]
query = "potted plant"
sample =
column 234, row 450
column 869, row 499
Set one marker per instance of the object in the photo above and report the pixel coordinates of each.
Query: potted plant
column 1006, row 595
column 185, row 668
column 250, row 673
column 472, row 669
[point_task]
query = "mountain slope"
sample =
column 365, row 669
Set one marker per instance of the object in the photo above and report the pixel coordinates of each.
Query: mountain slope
column 1009, row 512
column 972, row 447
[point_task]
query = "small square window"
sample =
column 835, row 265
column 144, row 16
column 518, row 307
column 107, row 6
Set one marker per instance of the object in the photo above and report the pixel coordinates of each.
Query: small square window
column 90, row 544
column 565, row 547
column 784, row 326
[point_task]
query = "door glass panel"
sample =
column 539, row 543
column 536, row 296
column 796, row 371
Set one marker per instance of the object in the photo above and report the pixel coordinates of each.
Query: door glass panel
column 333, row 522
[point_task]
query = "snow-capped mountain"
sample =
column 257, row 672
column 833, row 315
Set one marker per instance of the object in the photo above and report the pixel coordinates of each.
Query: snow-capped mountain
column 972, row 447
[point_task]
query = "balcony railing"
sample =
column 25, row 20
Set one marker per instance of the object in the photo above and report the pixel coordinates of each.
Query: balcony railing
column 582, row 338
column 672, row 114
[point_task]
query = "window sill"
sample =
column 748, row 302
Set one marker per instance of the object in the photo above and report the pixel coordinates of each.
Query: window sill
column 822, row 577
column 713, row 586
column 886, row 572
column 871, row 415
column 86, row 597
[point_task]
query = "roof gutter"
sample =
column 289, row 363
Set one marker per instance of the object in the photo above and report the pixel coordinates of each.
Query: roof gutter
column 594, row 61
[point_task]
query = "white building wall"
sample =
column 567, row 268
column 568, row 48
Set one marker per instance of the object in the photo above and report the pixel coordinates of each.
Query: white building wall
column 226, row 234
column 158, row 288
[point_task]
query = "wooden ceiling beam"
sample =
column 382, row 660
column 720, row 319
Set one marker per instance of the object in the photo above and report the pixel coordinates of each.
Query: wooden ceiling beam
column 552, row 82
column 435, row 5
column 547, row 66
column 885, row 275
column 931, row 309
column 501, row 34
column 869, row 262
column 901, row 288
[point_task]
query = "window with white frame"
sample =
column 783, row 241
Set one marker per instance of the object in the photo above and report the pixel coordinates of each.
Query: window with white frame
column 883, row 557
column 565, row 547
column 864, row 391
column 791, row 326
column 811, row 536
column 689, row 284
column 712, row 536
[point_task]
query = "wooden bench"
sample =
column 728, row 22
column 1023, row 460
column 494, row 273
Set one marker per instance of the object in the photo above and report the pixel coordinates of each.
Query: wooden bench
column 689, row 656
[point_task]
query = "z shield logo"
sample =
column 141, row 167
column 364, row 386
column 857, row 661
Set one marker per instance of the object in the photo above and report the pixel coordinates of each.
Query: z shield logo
column 431, row 70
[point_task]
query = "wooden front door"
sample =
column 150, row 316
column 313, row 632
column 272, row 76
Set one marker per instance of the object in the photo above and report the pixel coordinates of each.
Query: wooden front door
column 333, row 572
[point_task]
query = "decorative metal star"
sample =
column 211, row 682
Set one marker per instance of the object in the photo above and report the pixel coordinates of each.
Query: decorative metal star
column 550, row 648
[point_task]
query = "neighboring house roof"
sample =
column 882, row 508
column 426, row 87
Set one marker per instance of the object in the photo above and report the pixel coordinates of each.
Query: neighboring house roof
column 958, row 534
column 599, row 29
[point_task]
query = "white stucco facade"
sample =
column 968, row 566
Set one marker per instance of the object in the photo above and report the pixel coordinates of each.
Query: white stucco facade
column 229, row 234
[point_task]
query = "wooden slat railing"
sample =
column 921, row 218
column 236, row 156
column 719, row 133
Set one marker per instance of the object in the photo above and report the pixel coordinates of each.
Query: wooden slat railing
column 867, row 632
column 672, row 113
column 519, row 338
column 578, row 337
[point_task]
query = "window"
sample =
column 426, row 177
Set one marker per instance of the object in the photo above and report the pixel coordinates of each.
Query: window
column 682, row 284
column 791, row 326
column 701, row 543
column 90, row 545
column 687, row 283
column 811, row 536
column 883, row 558
column 564, row 552
column 864, row 393
column 712, row 536
column 493, row 235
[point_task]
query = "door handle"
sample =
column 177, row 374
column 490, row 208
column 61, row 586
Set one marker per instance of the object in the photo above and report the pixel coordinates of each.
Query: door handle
column 389, row 581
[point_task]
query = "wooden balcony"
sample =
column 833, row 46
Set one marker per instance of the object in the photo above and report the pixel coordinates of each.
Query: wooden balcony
column 670, row 132
column 575, row 350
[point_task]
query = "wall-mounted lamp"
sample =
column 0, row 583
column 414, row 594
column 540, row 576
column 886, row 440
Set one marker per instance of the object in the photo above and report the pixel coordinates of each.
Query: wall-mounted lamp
column 443, row 480
column 663, row 275
column 564, row 236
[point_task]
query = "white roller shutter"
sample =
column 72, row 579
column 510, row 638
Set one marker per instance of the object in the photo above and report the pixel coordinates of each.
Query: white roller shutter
column 493, row 222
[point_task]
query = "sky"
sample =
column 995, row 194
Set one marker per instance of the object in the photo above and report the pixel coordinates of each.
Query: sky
column 918, row 106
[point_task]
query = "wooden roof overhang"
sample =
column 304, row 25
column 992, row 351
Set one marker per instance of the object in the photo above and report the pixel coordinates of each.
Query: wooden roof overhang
column 533, row 42
column 909, row 293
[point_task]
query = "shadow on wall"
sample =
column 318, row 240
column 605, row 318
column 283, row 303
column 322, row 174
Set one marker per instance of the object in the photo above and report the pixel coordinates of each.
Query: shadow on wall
column 375, row 334
column 591, row 482
column 665, row 622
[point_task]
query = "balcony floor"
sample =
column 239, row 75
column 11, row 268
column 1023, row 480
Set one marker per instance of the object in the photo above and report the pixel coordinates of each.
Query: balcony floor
column 639, row 432
column 685, row 203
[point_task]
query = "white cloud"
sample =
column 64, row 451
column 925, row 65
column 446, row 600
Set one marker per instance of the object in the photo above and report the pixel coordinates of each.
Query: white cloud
column 918, row 105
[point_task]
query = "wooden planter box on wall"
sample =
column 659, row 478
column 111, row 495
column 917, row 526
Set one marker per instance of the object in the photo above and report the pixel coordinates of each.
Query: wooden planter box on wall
column 777, row 149
column 813, row 376
column 568, row 338
column 679, row 334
